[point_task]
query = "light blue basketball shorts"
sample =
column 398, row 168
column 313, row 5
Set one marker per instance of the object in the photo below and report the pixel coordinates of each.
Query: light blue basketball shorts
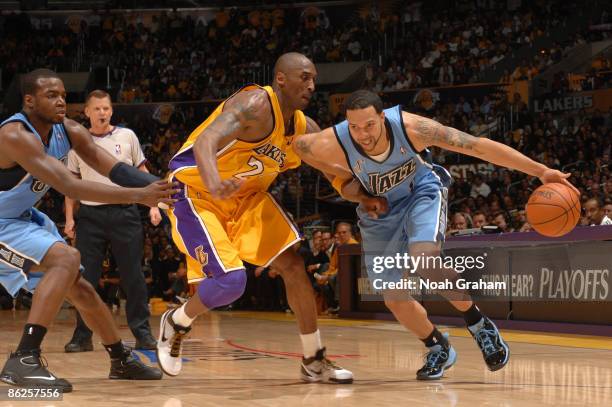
column 420, row 217
column 24, row 242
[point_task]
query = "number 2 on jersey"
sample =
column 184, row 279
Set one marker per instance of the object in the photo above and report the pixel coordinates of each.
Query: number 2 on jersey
column 254, row 163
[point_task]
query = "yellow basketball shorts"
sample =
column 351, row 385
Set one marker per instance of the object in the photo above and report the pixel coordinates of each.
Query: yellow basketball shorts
column 217, row 236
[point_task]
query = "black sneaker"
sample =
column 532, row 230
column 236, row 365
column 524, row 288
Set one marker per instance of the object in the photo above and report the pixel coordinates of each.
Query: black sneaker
column 437, row 360
column 494, row 350
column 146, row 342
column 130, row 368
column 29, row 369
column 79, row 345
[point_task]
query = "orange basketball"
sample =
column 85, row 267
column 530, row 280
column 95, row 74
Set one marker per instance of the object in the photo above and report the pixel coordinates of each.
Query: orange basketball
column 553, row 210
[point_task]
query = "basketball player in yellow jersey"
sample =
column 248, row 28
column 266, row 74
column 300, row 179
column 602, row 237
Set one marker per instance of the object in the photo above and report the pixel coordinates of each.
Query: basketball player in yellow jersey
column 225, row 214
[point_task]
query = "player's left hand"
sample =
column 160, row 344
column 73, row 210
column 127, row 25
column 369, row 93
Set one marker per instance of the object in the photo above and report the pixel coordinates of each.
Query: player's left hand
column 555, row 176
column 374, row 206
column 155, row 216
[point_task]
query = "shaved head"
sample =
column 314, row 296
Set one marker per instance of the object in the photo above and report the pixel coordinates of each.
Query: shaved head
column 290, row 61
column 294, row 78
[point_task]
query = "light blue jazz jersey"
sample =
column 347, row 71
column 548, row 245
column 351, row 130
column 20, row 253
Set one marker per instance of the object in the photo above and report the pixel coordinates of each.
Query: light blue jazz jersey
column 415, row 189
column 26, row 234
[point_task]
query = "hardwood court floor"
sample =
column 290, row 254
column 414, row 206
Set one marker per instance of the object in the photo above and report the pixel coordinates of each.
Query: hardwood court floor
column 252, row 359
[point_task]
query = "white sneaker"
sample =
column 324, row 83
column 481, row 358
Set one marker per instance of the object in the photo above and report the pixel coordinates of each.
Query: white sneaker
column 320, row 369
column 169, row 344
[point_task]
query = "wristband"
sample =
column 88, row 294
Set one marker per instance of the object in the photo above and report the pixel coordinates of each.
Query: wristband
column 130, row 177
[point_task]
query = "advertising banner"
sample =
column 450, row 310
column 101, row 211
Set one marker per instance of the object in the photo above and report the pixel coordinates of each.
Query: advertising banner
column 591, row 100
column 523, row 280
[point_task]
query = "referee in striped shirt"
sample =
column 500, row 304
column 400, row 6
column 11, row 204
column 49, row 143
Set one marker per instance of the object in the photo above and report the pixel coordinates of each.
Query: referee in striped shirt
column 118, row 225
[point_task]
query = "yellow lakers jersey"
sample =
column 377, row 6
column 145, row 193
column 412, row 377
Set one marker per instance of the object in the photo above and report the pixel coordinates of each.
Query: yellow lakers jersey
column 257, row 163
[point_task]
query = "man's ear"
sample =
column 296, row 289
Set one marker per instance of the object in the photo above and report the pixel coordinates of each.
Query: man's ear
column 280, row 78
column 28, row 101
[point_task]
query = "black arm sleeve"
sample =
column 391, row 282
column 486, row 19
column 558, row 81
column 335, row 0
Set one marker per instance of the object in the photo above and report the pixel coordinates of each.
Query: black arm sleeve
column 130, row 177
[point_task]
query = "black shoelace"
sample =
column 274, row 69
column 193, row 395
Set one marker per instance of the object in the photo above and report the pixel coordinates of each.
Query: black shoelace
column 175, row 344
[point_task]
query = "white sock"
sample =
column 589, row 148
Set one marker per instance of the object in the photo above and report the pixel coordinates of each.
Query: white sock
column 311, row 343
column 181, row 318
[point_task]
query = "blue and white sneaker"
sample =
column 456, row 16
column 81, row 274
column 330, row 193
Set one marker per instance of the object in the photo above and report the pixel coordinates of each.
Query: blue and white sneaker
column 494, row 350
column 437, row 360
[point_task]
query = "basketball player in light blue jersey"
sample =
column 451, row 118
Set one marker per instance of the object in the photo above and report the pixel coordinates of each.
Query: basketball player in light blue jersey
column 32, row 252
column 379, row 158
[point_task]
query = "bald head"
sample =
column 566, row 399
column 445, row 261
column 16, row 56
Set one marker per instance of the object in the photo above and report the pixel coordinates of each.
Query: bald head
column 294, row 78
column 291, row 61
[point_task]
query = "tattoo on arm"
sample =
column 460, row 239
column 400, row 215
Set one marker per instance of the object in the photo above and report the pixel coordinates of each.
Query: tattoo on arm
column 434, row 133
column 303, row 145
column 459, row 139
column 248, row 111
column 428, row 130
column 224, row 125
column 240, row 115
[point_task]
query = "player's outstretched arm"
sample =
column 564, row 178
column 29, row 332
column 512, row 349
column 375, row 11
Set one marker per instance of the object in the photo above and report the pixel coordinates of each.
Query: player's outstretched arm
column 317, row 149
column 246, row 116
column 322, row 151
column 103, row 162
column 28, row 152
column 424, row 132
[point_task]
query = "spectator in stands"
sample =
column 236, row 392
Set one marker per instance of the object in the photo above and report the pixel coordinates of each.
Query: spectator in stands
column 608, row 209
column 317, row 261
column 479, row 187
column 479, row 219
column 521, row 220
column 594, row 211
column 328, row 279
column 500, row 220
column 178, row 287
column 460, row 221
column 170, row 264
column 329, row 242
column 269, row 290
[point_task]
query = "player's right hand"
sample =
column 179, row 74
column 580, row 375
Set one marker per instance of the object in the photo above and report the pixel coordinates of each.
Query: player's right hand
column 374, row 206
column 552, row 175
column 69, row 228
column 226, row 188
column 158, row 192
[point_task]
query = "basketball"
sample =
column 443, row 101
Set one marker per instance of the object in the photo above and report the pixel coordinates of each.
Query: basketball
column 553, row 210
